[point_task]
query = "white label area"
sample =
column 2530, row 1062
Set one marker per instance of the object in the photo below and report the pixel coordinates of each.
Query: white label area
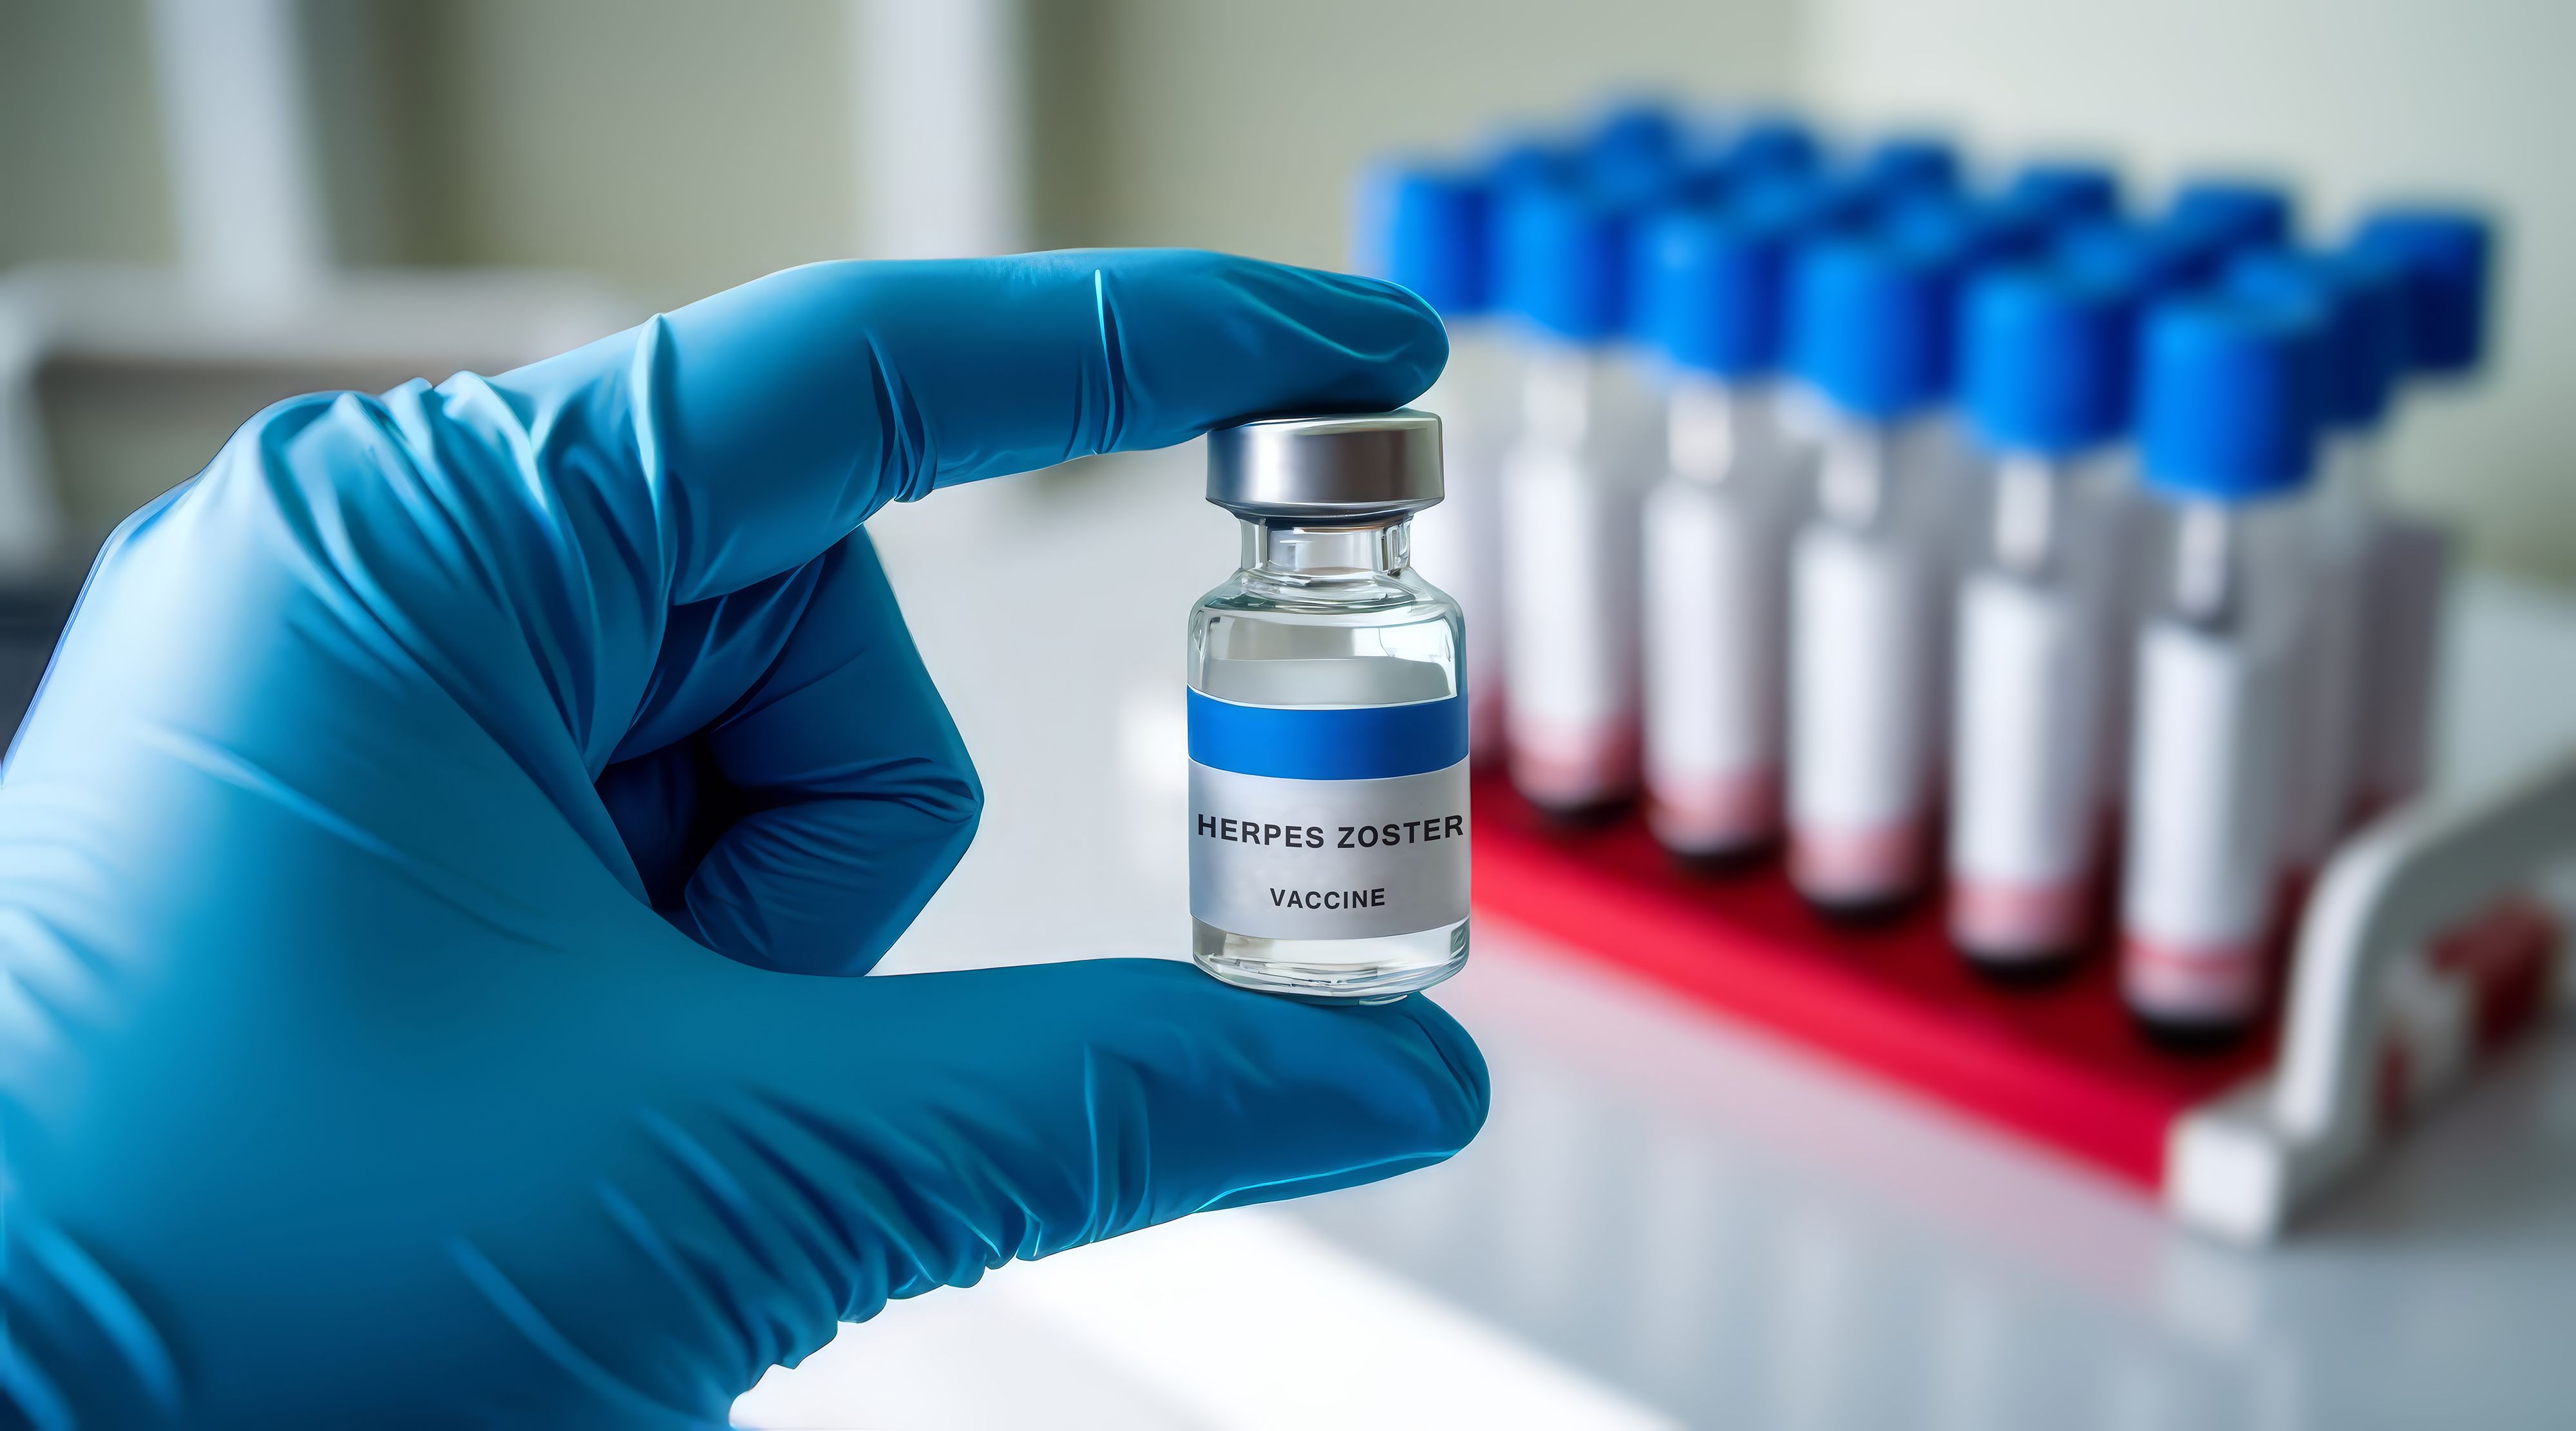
column 1714, row 577
column 2024, row 793
column 2409, row 565
column 1571, row 589
column 2204, row 812
column 1328, row 859
column 1862, row 682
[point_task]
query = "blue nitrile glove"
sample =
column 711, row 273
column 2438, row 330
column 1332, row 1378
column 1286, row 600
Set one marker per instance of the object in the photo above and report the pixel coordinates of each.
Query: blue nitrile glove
column 364, row 1056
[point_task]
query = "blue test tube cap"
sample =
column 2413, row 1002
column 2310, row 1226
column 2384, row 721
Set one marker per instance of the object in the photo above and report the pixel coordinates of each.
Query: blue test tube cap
column 1709, row 289
column 2447, row 256
column 1636, row 128
column 1524, row 159
column 1957, row 230
column 2359, row 309
column 2044, row 361
column 2062, row 191
column 1910, row 163
column 1640, row 181
column 1563, row 259
column 2140, row 260
column 1635, row 155
column 1429, row 227
column 2226, row 216
column 2227, row 398
column 1870, row 325
column 1806, row 202
column 1768, row 143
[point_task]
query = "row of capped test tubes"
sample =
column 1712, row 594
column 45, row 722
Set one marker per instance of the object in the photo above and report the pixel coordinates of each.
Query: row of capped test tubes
column 1940, row 533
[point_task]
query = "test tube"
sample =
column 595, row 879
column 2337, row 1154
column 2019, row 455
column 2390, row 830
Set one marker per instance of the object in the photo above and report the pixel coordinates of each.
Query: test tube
column 2356, row 305
column 1716, row 530
column 2044, row 381
column 2227, row 425
column 1870, row 338
column 1429, row 226
column 2444, row 258
column 1574, row 478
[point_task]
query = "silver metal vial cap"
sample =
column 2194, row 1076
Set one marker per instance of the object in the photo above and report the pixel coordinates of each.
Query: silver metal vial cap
column 1322, row 471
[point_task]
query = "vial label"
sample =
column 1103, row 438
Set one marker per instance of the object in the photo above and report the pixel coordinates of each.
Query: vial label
column 1714, row 579
column 2025, row 798
column 1328, row 822
column 1862, row 699
column 2204, row 870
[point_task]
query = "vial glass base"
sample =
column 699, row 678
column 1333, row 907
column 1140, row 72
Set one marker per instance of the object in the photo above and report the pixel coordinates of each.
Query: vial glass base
column 1361, row 971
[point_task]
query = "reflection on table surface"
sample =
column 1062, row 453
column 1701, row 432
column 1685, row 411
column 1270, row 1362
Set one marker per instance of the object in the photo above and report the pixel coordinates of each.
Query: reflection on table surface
column 1669, row 1216
column 1740, row 1235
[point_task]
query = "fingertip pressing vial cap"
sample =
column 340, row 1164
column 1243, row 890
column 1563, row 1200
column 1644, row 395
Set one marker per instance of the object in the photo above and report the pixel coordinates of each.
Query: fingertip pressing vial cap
column 1428, row 227
column 2228, row 398
column 1320, row 471
column 1564, row 259
column 1870, row 326
column 2357, row 307
column 1709, row 290
column 2044, row 361
column 2448, row 257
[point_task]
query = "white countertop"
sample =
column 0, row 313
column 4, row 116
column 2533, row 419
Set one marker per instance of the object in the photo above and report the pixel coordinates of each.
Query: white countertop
column 1670, row 1219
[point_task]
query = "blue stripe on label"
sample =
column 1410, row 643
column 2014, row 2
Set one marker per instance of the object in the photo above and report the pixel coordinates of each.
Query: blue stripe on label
column 1328, row 742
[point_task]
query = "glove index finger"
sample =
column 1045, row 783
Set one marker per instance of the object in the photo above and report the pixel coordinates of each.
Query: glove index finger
column 766, row 422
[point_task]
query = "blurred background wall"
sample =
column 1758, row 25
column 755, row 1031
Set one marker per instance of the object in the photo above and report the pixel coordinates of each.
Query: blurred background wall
column 674, row 147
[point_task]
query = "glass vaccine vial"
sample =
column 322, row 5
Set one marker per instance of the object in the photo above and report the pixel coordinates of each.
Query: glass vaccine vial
column 1328, row 719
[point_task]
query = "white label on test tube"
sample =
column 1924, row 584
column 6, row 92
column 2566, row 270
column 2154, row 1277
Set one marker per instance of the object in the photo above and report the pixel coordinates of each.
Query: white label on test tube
column 2115, row 516
column 1457, row 545
column 2326, row 693
column 2025, row 797
column 1571, row 709
column 2203, row 859
column 2409, row 565
column 1861, row 689
column 1714, row 577
column 1571, row 504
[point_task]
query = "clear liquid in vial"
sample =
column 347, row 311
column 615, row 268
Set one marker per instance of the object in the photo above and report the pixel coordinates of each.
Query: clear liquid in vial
column 1328, row 618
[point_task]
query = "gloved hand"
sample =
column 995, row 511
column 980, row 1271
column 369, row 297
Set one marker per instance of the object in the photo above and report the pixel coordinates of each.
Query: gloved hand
column 424, row 871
